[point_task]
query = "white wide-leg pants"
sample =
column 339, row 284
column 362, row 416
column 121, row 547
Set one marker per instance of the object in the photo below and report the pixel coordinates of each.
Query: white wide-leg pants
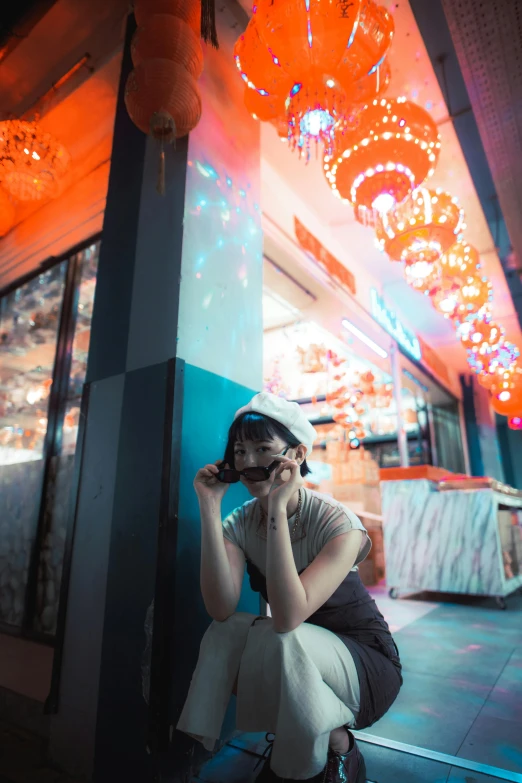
column 299, row 685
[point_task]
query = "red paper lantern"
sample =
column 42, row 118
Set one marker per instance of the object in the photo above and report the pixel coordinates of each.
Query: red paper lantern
column 187, row 10
column 307, row 37
column 167, row 37
column 7, row 213
column 422, row 228
column 515, row 422
column 391, row 152
column 318, row 59
column 368, row 45
column 163, row 86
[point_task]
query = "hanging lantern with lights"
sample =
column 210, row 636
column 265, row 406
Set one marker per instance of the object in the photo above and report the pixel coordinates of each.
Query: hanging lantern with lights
column 392, row 151
column 32, row 162
column 480, row 335
column 423, row 276
column 422, row 228
column 312, row 63
column 460, row 260
column 504, row 367
column 507, row 402
column 475, row 297
column 462, row 299
column 497, row 368
column 515, row 422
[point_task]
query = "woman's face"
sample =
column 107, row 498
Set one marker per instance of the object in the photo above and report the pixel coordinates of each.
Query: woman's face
column 252, row 454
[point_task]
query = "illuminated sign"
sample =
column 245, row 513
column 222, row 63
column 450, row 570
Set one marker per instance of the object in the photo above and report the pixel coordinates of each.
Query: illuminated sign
column 389, row 321
column 318, row 253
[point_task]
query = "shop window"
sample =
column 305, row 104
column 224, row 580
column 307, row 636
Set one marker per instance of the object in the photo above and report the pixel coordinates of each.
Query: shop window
column 29, row 323
column 45, row 331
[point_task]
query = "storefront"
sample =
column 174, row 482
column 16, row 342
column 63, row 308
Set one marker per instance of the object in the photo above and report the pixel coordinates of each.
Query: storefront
column 359, row 376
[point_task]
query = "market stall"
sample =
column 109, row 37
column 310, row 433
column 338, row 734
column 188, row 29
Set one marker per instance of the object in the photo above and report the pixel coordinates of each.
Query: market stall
column 451, row 534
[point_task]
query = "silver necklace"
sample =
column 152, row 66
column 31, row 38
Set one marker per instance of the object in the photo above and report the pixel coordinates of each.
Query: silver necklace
column 297, row 515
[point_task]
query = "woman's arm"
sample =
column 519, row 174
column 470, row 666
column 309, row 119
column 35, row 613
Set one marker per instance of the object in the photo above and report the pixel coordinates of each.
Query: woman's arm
column 222, row 564
column 222, row 567
column 293, row 598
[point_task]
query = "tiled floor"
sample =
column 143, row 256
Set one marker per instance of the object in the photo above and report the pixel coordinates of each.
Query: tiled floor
column 462, row 695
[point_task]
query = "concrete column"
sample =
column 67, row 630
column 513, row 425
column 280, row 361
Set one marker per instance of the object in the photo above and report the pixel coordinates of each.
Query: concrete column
column 176, row 347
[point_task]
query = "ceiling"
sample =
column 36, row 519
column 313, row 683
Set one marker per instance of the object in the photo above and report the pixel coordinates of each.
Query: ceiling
column 413, row 75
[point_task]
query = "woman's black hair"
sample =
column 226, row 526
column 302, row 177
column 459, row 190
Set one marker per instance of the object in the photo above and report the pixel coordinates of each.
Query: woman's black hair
column 256, row 427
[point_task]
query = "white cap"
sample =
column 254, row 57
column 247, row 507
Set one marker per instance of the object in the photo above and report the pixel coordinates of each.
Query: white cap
column 289, row 414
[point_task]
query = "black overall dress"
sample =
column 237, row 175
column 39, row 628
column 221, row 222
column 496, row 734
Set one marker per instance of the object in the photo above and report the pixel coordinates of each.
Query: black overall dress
column 352, row 615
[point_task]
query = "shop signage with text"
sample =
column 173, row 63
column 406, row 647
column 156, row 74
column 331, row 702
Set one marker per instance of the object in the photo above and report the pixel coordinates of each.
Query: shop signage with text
column 389, row 321
column 323, row 257
column 433, row 361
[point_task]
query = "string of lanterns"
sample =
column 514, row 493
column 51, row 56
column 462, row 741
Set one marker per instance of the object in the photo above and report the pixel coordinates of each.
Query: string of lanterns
column 317, row 72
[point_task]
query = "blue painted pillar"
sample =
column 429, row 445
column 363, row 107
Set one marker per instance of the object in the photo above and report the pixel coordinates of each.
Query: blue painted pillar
column 176, row 348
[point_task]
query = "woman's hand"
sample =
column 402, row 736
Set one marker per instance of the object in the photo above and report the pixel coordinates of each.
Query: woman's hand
column 206, row 484
column 284, row 487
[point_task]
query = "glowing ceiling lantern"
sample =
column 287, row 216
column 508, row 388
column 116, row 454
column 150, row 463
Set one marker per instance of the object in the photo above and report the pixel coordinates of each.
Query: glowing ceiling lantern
column 475, row 296
column 422, row 275
column 311, row 62
column 422, row 228
column 480, row 335
column 32, row 162
column 507, row 402
column 515, row 422
column 497, row 367
column 502, row 371
column 394, row 148
column 461, row 259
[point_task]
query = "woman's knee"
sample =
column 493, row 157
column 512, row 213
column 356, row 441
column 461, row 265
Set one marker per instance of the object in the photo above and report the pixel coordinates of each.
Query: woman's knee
column 235, row 624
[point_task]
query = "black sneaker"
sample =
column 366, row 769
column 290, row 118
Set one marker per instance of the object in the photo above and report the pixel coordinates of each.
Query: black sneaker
column 347, row 768
column 267, row 775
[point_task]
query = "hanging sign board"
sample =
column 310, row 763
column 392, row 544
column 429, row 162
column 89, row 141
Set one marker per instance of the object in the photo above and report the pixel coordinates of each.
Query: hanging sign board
column 434, row 363
column 389, row 321
column 323, row 258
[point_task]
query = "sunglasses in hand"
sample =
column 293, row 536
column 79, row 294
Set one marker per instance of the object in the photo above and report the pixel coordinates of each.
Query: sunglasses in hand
column 232, row 476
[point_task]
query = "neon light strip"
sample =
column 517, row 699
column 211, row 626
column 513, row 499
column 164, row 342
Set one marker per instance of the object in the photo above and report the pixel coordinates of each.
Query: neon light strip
column 443, row 758
column 364, row 338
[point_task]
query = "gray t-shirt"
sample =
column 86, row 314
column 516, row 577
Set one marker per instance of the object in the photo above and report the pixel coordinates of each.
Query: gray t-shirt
column 322, row 518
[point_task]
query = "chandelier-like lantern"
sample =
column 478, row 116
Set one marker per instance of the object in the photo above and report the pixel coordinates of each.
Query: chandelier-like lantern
column 311, row 63
column 422, row 228
column 394, row 148
column 32, row 162
column 423, row 276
